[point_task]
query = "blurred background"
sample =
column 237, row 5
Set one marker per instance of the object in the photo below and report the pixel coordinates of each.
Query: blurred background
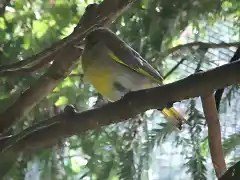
column 145, row 147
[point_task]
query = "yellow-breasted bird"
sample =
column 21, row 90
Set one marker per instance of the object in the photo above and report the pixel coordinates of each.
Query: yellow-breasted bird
column 114, row 69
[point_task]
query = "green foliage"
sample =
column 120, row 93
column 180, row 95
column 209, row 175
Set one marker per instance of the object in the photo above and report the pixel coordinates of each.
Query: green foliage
column 232, row 142
column 196, row 161
column 127, row 170
column 197, row 167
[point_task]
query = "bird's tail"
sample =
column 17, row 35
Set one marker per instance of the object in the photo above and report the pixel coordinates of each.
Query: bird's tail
column 174, row 117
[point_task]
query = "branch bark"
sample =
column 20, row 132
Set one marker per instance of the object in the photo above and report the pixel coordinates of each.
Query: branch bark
column 20, row 71
column 233, row 173
column 30, row 62
column 214, row 133
column 25, row 70
column 67, row 124
column 64, row 55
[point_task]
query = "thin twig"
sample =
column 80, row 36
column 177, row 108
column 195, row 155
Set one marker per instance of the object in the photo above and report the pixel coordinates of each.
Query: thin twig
column 25, row 71
column 174, row 68
column 201, row 45
column 18, row 64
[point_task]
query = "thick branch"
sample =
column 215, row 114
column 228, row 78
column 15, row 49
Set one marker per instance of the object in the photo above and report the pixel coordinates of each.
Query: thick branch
column 233, row 173
column 67, row 124
column 201, row 45
column 214, row 133
column 64, row 54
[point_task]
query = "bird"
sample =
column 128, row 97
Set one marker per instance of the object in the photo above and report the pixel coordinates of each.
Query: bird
column 115, row 69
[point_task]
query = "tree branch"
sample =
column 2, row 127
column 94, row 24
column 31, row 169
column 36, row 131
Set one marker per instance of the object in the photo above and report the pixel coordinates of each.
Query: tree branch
column 64, row 54
column 174, row 68
column 214, row 133
column 24, row 70
column 19, row 64
column 70, row 123
column 201, row 45
column 219, row 92
column 233, row 173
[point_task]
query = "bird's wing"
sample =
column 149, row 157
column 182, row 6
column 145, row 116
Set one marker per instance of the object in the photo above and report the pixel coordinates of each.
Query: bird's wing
column 124, row 54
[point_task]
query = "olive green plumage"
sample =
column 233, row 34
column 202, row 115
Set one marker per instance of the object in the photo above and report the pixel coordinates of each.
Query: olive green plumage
column 114, row 69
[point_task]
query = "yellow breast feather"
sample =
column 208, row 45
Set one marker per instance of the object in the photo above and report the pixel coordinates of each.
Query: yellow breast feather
column 101, row 79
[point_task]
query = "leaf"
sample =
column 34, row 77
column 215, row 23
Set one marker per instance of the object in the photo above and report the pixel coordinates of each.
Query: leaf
column 160, row 135
column 230, row 143
column 204, row 148
column 61, row 101
column 126, row 165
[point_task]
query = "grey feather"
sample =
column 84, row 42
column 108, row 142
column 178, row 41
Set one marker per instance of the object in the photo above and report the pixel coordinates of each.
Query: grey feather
column 123, row 51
